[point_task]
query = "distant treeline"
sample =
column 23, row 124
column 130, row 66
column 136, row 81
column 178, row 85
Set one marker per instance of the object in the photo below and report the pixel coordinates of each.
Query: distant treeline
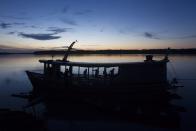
column 4, row 53
column 8, row 53
column 144, row 51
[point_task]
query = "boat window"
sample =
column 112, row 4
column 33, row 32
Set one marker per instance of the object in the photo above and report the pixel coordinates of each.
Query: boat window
column 113, row 70
column 75, row 70
column 108, row 70
column 50, row 65
column 62, row 68
column 91, row 72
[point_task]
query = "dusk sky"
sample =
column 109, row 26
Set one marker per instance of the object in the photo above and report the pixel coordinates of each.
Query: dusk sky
column 27, row 25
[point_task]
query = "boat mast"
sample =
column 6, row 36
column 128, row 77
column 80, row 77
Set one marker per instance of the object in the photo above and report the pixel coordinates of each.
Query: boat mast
column 167, row 54
column 68, row 51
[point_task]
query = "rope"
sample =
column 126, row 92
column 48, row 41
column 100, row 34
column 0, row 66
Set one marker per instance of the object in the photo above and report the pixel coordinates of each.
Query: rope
column 173, row 69
column 187, row 79
column 170, row 73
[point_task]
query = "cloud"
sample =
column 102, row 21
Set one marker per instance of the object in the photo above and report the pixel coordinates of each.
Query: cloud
column 102, row 29
column 150, row 35
column 16, row 23
column 127, row 30
column 155, row 36
column 11, row 33
column 57, row 30
column 65, row 9
column 39, row 36
column 4, row 47
column 32, row 26
column 183, row 37
column 7, row 48
column 69, row 21
column 83, row 12
column 15, row 49
column 92, row 45
column 5, row 25
column 14, row 17
column 124, row 31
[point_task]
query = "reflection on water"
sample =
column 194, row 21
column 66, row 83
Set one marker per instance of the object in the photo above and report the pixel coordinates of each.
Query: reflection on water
column 14, row 80
column 148, row 107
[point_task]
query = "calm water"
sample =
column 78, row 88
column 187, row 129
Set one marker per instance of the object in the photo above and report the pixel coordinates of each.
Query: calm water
column 14, row 80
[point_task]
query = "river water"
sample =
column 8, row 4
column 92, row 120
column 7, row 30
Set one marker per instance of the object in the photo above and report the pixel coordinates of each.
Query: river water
column 14, row 80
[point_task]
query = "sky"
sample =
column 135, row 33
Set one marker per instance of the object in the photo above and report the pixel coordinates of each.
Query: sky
column 29, row 25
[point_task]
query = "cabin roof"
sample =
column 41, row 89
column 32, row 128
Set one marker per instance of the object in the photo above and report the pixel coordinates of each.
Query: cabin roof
column 91, row 64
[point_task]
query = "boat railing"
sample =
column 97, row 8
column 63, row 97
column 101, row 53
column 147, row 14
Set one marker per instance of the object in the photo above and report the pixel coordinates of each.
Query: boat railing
column 83, row 79
column 91, row 80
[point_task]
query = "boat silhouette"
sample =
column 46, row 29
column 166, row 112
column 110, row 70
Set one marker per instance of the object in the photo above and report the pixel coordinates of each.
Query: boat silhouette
column 132, row 91
column 80, row 78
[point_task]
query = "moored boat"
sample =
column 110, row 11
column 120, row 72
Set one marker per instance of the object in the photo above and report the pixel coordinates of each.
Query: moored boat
column 130, row 91
column 87, row 79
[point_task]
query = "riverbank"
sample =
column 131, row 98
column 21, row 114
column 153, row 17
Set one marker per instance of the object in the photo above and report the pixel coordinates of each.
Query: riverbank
column 143, row 51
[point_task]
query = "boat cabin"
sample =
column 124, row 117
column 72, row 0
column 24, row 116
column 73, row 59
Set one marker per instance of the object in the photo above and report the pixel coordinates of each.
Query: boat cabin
column 148, row 71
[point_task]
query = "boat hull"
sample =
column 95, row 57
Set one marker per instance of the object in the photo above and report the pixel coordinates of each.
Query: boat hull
column 47, row 86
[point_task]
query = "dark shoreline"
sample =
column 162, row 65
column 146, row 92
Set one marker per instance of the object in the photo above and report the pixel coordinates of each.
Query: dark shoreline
column 143, row 51
column 7, row 53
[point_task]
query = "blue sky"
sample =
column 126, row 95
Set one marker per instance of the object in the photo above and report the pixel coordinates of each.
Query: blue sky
column 27, row 25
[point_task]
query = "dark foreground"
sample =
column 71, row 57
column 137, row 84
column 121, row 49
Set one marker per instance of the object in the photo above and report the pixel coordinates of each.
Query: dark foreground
column 132, row 115
column 150, row 107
